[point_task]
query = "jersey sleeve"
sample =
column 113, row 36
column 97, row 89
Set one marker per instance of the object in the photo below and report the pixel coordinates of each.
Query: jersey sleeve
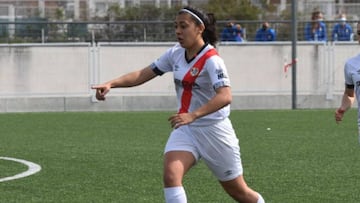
column 164, row 63
column 347, row 74
column 217, row 72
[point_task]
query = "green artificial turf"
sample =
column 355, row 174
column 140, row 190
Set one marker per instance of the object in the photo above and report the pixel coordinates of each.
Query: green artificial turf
column 117, row 157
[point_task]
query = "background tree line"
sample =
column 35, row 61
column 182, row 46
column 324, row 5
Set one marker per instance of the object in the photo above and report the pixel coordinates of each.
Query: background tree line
column 235, row 10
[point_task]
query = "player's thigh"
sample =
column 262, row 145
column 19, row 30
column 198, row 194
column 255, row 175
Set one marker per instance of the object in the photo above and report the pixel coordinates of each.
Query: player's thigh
column 220, row 150
column 176, row 164
column 180, row 155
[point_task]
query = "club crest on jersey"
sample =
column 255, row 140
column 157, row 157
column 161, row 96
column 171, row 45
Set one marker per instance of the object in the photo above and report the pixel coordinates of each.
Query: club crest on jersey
column 194, row 71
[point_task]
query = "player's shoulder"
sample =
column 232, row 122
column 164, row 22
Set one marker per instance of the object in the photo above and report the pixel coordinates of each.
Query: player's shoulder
column 210, row 49
column 215, row 58
column 174, row 50
column 353, row 61
column 177, row 47
column 354, row 58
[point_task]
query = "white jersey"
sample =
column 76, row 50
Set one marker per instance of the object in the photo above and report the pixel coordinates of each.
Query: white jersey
column 212, row 76
column 352, row 78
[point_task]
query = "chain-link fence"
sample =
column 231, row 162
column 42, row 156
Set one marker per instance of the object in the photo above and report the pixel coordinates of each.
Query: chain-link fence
column 38, row 30
column 78, row 20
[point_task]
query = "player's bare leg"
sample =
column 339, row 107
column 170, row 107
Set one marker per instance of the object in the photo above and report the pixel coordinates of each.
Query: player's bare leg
column 176, row 164
column 239, row 191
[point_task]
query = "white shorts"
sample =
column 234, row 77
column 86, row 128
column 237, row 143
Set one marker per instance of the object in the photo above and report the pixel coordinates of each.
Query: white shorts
column 216, row 144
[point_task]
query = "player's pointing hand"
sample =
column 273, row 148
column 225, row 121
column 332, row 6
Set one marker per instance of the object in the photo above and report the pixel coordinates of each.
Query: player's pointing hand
column 101, row 90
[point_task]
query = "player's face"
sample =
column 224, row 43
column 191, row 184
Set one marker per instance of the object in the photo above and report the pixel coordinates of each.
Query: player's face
column 187, row 32
column 318, row 17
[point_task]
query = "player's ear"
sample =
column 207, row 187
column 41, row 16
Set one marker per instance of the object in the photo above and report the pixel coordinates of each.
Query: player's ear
column 201, row 28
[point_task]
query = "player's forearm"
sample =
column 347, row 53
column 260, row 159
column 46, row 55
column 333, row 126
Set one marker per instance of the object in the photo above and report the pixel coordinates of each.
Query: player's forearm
column 219, row 101
column 346, row 102
column 128, row 80
column 133, row 79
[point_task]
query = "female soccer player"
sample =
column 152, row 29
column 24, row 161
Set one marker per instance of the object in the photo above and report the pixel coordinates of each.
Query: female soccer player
column 202, row 128
column 352, row 89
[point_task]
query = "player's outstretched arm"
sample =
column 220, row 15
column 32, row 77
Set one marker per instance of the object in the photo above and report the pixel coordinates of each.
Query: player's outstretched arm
column 128, row 80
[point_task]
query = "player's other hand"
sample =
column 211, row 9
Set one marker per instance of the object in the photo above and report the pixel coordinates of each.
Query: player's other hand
column 339, row 114
column 179, row 119
column 101, row 91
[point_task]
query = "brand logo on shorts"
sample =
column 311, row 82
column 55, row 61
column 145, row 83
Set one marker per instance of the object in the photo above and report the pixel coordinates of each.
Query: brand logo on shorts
column 228, row 173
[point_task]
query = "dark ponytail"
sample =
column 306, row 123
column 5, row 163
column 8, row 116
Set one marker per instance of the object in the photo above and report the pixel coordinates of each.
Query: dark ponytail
column 209, row 35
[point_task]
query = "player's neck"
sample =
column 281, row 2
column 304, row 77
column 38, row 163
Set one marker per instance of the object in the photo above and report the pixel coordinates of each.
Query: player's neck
column 194, row 50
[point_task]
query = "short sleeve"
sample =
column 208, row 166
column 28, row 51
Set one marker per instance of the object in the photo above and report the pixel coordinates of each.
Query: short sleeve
column 164, row 63
column 217, row 71
column 347, row 74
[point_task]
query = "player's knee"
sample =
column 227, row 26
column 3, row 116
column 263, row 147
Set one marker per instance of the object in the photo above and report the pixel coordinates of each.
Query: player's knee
column 171, row 179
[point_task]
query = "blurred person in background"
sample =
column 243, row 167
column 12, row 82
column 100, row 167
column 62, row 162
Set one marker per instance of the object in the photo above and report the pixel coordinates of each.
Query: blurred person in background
column 352, row 87
column 265, row 33
column 232, row 33
column 229, row 32
column 239, row 33
column 342, row 31
column 316, row 29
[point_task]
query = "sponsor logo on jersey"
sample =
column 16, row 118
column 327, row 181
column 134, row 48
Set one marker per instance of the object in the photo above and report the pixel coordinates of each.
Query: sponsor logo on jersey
column 176, row 68
column 186, row 84
column 220, row 74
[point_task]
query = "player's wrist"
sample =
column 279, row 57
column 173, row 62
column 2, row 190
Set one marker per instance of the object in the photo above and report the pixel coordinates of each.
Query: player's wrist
column 195, row 115
column 110, row 84
column 341, row 110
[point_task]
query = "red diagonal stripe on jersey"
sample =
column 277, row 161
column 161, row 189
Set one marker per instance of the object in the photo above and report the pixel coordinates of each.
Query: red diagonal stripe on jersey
column 189, row 80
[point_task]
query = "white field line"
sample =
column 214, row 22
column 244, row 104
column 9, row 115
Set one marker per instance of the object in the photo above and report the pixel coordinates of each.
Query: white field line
column 32, row 169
